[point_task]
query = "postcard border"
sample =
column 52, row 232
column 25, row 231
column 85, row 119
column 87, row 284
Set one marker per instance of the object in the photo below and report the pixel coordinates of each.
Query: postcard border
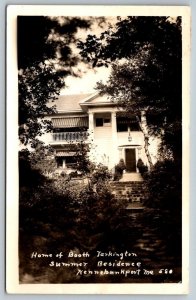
column 12, row 143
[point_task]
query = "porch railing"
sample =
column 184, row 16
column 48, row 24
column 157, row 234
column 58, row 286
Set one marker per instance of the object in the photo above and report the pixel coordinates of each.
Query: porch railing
column 69, row 136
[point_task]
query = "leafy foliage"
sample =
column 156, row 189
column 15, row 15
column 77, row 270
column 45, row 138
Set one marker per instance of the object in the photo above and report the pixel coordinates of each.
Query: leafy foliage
column 83, row 163
column 141, row 166
column 42, row 159
column 164, row 183
column 60, row 215
column 37, row 86
column 145, row 53
column 164, row 202
column 49, row 39
column 100, row 174
column 45, row 58
column 118, row 170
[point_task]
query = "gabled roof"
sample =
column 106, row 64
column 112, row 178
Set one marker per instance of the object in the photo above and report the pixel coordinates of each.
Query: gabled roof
column 70, row 103
column 96, row 99
column 79, row 102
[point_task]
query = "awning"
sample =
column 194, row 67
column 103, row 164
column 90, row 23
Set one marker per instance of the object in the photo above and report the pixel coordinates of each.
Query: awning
column 64, row 153
column 70, row 122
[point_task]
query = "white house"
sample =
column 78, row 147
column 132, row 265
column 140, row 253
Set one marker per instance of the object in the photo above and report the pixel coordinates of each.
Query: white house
column 95, row 119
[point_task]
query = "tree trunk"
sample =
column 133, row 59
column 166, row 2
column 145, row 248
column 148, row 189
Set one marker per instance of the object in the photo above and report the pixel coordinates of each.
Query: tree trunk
column 143, row 127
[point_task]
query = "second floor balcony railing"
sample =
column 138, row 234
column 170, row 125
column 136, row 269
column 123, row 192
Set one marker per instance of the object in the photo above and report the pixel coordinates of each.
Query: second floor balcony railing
column 70, row 136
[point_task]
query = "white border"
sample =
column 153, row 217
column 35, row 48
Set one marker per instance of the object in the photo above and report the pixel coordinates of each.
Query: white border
column 12, row 150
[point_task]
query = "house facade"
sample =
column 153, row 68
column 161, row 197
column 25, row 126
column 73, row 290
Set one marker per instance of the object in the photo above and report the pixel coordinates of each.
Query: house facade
column 95, row 119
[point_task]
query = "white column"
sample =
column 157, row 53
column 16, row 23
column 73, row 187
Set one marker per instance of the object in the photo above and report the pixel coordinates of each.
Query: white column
column 120, row 155
column 114, row 151
column 91, row 124
column 64, row 163
column 114, row 127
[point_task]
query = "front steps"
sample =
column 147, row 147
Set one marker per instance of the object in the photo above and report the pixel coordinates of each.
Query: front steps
column 132, row 192
column 131, row 177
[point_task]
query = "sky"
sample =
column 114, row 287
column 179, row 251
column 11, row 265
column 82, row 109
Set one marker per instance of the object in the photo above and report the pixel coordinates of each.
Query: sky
column 87, row 82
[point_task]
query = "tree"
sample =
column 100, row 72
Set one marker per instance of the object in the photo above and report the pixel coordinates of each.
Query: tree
column 145, row 53
column 45, row 58
column 37, row 86
column 83, row 163
column 49, row 39
column 163, row 207
column 146, row 58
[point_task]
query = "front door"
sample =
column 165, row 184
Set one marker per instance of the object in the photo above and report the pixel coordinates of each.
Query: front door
column 130, row 160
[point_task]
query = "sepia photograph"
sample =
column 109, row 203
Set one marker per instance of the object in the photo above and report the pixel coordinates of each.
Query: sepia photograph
column 100, row 123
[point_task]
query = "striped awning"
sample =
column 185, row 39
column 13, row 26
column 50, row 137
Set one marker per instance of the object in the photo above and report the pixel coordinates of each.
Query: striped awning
column 70, row 122
column 64, row 153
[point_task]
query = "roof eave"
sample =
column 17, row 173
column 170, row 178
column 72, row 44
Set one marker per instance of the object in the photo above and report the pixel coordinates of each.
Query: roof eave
column 70, row 111
column 91, row 97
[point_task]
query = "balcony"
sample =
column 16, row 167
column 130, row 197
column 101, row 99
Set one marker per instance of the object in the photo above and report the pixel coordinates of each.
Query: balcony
column 69, row 136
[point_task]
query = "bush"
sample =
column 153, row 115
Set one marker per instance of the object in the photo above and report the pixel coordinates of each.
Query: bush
column 164, row 203
column 141, row 167
column 100, row 174
column 164, row 185
column 118, row 171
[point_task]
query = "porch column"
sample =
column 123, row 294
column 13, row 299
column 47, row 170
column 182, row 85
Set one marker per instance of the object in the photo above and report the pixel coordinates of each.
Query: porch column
column 91, row 124
column 64, row 163
column 114, row 151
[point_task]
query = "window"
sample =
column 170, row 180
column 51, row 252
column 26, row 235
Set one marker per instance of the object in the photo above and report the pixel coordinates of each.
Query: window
column 123, row 124
column 59, row 161
column 99, row 122
column 69, row 161
column 103, row 122
column 107, row 122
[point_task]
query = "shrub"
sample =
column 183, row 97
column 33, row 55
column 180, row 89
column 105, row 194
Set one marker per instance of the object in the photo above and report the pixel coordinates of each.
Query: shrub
column 100, row 174
column 164, row 185
column 164, row 203
column 141, row 166
column 118, row 170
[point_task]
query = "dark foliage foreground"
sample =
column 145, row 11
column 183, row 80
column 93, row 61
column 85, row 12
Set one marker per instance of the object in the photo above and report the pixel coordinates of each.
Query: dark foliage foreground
column 164, row 204
column 57, row 215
